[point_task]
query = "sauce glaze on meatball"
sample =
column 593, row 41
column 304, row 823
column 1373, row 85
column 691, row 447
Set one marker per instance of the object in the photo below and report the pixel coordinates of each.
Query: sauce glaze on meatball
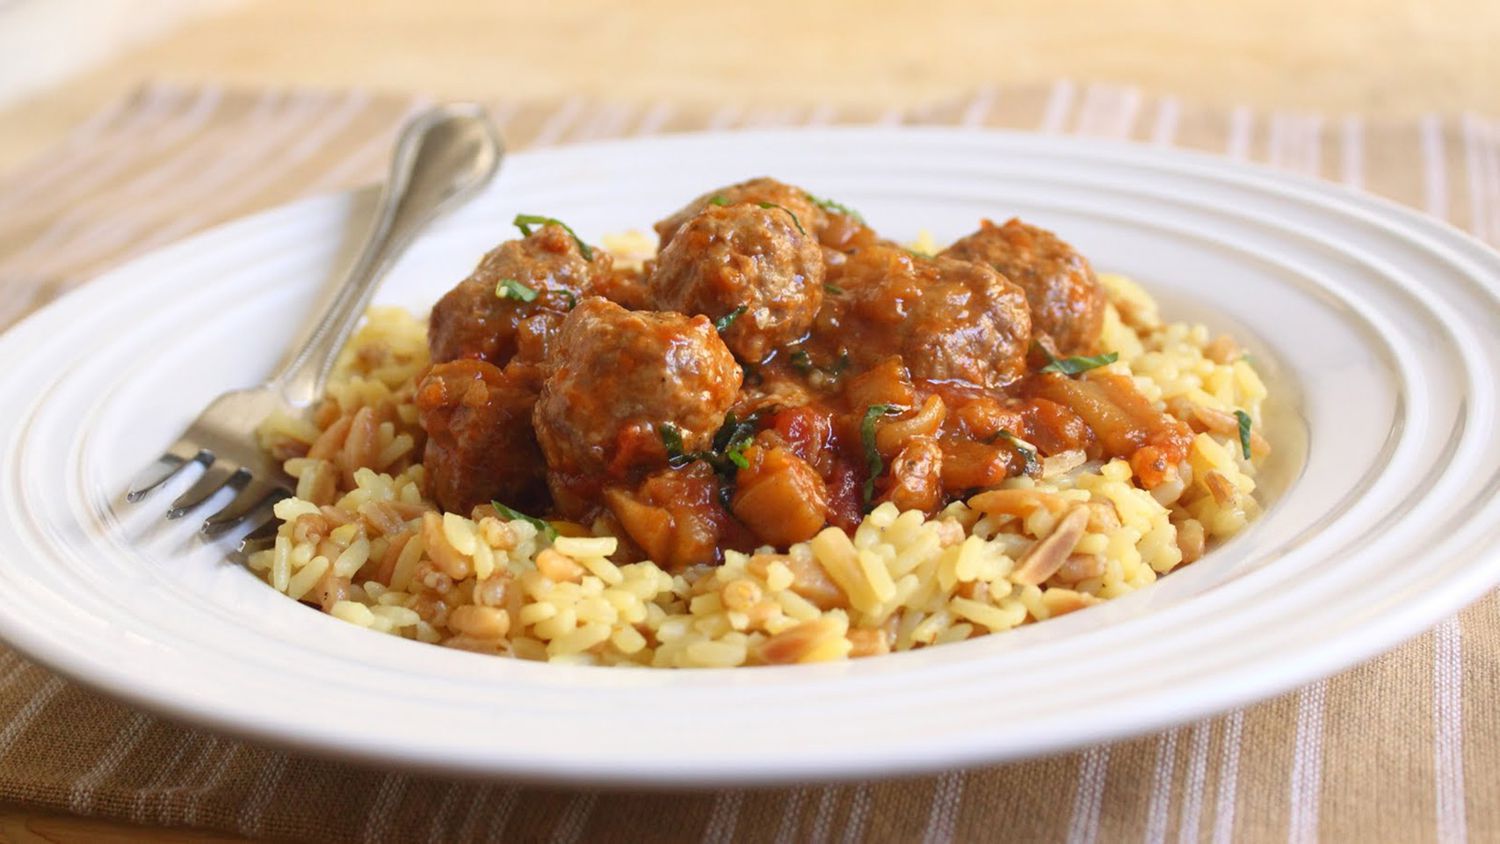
column 617, row 380
column 480, row 445
column 473, row 321
column 1066, row 300
column 949, row 320
column 755, row 192
column 749, row 259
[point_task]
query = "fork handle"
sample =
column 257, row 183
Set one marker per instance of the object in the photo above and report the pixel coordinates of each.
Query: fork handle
column 443, row 157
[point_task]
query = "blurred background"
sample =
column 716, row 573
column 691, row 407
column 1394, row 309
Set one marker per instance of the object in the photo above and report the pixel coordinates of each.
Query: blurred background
column 61, row 60
column 1392, row 96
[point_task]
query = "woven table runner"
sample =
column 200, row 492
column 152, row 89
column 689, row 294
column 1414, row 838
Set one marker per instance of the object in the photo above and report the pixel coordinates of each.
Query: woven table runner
column 1406, row 747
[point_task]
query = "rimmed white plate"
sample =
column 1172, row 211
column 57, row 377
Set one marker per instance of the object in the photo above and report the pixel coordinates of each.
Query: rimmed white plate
column 1378, row 328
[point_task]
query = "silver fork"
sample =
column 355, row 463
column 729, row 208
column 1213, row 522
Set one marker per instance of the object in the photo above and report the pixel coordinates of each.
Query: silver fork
column 444, row 156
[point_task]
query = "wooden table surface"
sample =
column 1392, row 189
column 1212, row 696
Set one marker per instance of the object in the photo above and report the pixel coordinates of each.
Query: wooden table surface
column 1379, row 57
column 1393, row 57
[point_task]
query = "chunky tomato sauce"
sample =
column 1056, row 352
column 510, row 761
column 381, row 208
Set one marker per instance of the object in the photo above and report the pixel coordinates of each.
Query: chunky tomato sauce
column 777, row 368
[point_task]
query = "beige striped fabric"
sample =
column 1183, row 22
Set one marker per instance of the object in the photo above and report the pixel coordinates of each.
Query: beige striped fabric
column 1406, row 747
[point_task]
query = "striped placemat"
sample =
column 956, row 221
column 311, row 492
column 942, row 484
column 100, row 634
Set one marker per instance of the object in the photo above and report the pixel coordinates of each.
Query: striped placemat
column 1406, row 747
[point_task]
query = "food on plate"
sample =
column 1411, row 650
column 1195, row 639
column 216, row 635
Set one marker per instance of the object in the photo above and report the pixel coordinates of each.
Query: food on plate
column 780, row 438
column 1065, row 298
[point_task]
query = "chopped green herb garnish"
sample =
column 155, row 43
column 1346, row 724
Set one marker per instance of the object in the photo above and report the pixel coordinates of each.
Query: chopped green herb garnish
column 796, row 221
column 736, row 454
column 736, row 430
column 730, row 442
column 722, row 324
column 731, row 430
column 803, row 363
column 874, row 464
column 1078, row 363
column 1244, row 432
column 728, row 447
column 524, row 222
column 833, row 288
column 509, row 288
column 835, row 207
column 543, row 527
column 719, row 199
column 671, row 439
column 1031, row 465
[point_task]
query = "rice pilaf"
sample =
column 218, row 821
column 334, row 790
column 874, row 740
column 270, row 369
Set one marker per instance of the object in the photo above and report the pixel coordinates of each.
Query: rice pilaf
column 360, row 541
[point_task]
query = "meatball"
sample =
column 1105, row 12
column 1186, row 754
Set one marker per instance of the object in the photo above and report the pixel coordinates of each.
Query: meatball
column 480, row 446
column 625, row 285
column 833, row 227
column 535, row 339
column 748, row 259
column 619, row 383
column 474, row 319
column 948, row 320
column 1066, row 300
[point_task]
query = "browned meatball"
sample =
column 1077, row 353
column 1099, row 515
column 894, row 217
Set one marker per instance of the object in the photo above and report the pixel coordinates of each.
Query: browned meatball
column 474, row 321
column 480, row 446
column 1066, row 300
column 535, row 339
column 624, row 285
column 839, row 229
column 618, row 379
column 748, row 259
column 948, row 320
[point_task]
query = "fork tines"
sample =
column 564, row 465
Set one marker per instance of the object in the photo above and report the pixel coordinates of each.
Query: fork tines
column 251, row 492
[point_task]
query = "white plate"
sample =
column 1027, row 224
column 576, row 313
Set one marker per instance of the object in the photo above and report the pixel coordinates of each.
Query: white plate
column 1377, row 327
